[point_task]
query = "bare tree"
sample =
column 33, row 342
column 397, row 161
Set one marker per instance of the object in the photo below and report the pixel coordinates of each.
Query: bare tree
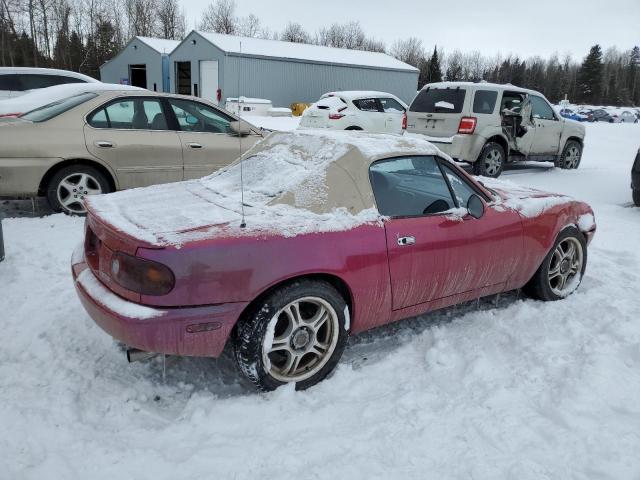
column 171, row 21
column 141, row 15
column 220, row 17
column 294, row 32
column 409, row 51
column 249, row 26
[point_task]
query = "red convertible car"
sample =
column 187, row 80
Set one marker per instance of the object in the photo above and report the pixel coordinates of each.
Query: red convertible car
column 331, row 234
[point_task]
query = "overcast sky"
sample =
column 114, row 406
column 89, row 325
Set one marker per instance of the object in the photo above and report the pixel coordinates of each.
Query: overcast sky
column 525, row 28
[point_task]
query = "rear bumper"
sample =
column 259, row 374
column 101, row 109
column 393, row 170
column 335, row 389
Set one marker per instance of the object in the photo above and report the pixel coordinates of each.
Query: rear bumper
column 459, row 147
column 192, row 331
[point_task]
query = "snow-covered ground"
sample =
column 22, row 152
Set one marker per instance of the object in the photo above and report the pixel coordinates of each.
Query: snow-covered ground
column 510, row 388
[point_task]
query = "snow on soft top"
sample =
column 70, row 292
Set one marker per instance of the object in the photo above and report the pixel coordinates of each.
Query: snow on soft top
column 284, row 163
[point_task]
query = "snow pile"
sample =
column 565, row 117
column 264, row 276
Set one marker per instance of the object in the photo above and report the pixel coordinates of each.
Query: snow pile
column 293, row 163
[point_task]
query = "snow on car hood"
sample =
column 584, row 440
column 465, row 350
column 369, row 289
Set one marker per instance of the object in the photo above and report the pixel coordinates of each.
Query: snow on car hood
column 285, row 191
column 529, row 202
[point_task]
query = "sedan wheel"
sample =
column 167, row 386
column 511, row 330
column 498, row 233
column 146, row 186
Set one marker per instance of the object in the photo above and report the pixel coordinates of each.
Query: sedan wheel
column 565, row 267
column 68, row 188
column 562, row 269
column 295, row 335
column 300, row 339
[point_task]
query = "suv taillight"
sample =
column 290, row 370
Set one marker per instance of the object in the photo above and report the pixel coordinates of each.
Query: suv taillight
column 142, row 276
column 467, row 125
column 404, row 120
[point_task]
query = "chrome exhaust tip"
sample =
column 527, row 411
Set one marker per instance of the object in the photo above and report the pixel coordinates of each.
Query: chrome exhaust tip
column 135, row 355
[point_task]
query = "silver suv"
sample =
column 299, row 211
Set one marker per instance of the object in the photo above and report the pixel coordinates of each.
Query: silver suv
column 489, row 125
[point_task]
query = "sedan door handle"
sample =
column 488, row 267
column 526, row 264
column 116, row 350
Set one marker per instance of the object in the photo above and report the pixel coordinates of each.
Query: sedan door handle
column 194, row 145
column 403, row 241
column 103, row 144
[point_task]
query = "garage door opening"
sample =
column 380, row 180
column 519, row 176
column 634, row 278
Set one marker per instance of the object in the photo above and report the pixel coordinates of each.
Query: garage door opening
column 183, row 76
column 138, row 75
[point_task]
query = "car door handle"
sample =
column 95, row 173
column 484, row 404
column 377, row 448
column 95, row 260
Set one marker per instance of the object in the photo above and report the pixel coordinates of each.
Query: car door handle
column 403, row 241
column 103, row 144
column 194, row 145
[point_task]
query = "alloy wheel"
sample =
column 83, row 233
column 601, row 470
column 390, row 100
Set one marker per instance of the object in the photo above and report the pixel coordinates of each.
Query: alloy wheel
column 493, row 162
column 73, row 188
column 565, row 268
column 300, row 339
column 572, row 157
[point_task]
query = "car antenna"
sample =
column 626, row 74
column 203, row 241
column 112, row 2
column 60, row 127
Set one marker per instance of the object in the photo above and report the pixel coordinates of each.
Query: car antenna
column 243, row 223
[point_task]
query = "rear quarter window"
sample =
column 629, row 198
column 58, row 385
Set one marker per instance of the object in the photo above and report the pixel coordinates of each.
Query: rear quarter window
column 439, row 100
column 367, row 104
column 484, row 101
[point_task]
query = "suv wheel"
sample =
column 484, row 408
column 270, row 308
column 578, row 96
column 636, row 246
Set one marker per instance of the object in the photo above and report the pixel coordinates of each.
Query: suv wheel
column 491, row 161
column 571, row 155
column 67, row 188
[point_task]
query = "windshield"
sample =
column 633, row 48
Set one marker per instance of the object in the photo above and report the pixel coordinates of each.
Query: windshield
column 53, row 109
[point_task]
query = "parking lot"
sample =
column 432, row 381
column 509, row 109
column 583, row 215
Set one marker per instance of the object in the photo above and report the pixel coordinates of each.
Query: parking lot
column 538, row 390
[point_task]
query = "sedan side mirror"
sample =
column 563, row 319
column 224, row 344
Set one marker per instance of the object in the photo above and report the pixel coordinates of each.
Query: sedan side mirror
column 240, row 128
column 475, row 206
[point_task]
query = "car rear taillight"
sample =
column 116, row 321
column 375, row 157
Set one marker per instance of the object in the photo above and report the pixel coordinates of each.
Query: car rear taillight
column 10, row 115
column 337, row 116
column 404, row 120
column 467, row 125
column 142, row 276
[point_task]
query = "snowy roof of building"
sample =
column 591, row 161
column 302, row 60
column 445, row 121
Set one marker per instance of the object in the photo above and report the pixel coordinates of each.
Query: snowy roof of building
column 303, row 51
column 160, row 45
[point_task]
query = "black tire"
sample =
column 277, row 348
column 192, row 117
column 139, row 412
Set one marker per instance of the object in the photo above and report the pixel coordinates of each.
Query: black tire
column 539, row 287
column 636, row 197
column 491, row 161
column 567, row 160
column 353, row 127
column 96, row 181
column 252, row 329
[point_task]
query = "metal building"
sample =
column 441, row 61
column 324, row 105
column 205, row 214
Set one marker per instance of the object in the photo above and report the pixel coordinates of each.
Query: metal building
column 217, row 66
column 143, row 62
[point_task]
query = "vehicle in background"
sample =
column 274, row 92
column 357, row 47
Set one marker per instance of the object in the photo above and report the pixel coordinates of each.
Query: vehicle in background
column 392, row 229
column 587, row 113
column 489, row 125
column 573, row 115
column 14, row 107
column 376, row 112
column 635, row 180
column 601, row 115
column 628, row 117
column 16, row 81
column 102, row 141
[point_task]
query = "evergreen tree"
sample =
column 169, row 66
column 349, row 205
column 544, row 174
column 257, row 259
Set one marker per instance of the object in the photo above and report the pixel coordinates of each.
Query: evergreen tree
column 589, row 87
column 434, row 72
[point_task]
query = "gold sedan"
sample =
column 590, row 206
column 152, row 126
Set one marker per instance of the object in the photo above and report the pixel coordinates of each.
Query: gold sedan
column 100, row 142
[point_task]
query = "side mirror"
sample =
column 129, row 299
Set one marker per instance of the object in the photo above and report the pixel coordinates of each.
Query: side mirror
column 475, row 206
column 240, row 128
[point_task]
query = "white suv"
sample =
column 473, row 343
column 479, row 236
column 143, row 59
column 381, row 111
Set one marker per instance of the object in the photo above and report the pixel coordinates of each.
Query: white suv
column 489, row 125
column 377, row 112
column 18, row 81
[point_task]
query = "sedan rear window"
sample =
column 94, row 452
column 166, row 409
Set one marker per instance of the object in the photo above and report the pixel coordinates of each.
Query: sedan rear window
column 54, row 109
column 8, row 82
column 439, row 100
